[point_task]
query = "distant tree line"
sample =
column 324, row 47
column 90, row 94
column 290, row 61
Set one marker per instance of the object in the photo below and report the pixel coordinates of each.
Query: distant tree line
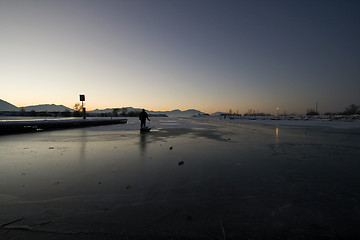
column 311, row 112
column 33, row 113
column 123, row 112
column 352, row 109
column 254, row 114
column 116, row 112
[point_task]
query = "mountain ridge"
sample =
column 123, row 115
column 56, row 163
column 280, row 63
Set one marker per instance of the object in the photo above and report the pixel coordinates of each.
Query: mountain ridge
column 172, row 113
column 6, row 106
column 47, row 108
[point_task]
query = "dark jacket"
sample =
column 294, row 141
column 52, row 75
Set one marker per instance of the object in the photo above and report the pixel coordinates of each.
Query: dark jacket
column 143, row 116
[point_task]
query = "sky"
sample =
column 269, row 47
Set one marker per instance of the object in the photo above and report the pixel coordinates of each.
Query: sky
column 182, row 54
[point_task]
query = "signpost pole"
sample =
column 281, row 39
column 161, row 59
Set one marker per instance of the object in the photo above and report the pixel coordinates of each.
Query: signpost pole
column 82, row 99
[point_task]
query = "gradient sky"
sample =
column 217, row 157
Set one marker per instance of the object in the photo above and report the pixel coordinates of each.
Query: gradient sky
column 163, row 55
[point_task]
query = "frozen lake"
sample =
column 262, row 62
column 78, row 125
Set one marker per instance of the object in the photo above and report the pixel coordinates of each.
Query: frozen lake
column 199, row 178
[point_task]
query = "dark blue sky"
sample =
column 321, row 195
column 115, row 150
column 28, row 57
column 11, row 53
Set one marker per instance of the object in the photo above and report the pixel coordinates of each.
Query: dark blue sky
column 210, row 55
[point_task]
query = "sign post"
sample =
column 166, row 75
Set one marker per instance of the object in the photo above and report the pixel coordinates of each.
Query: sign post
column 82, row 99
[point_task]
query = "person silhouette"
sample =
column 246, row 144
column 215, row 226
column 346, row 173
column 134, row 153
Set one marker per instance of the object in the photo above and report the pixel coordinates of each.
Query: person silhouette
column 142, row 117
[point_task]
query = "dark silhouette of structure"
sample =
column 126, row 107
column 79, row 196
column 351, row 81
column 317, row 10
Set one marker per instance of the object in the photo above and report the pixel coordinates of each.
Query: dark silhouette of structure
column 82, row 99
column 143, row 116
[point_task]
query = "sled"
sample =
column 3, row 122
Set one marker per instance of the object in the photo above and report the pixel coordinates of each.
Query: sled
column 145, row 129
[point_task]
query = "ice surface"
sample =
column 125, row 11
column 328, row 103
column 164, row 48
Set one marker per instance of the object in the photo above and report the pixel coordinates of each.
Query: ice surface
column 247, row 179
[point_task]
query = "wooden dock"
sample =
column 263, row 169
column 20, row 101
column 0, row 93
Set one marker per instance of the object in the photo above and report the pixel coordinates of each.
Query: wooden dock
column 13, row 127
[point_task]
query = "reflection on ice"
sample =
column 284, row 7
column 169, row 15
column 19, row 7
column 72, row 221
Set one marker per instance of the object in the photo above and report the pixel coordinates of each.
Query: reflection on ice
column 83, row 145
column 276, row 147
column 143, row 142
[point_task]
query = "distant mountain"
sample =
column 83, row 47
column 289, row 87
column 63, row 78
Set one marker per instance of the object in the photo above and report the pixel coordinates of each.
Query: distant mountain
column 110, row 110
column 47, row 108
column 97, row 111
column 5, row 106
column 173, row 113
column 218, row 113
column 179, row 113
